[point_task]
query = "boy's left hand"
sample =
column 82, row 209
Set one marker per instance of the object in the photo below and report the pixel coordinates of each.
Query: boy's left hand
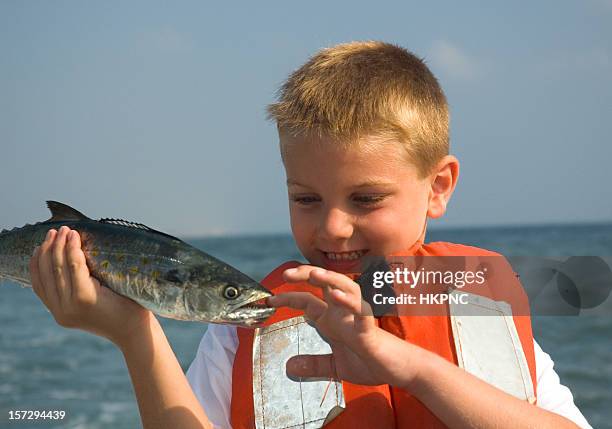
column 362, row 353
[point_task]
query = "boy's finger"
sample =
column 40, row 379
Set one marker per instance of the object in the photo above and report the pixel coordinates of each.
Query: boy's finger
column 34, row 277
column 77, row 266
column 348, row 302
column 312, row 366
column 346, row 292
column 298, row 274
column 45, row 270
column 60, row 267
column 353, row 303
column 341, row 291
column 322, row 278
column 366, row 310
column 312, row 306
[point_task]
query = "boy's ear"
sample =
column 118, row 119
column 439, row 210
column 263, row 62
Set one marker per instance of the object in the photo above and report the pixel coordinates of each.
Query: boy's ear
column 443, row 182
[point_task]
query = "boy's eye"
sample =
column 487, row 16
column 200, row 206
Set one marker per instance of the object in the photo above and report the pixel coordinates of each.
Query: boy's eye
column 368, row 200
column 305, row 199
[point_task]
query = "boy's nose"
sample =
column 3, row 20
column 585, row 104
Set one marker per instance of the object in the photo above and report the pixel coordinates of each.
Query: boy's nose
column 336, row 224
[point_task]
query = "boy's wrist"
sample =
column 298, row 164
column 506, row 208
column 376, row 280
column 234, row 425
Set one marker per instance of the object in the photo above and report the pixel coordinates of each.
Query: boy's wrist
column 139, row 334
column 426, row 373
column 407, row 364
column 423, row 365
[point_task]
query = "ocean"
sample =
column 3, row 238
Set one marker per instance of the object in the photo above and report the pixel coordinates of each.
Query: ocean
column 46, row 367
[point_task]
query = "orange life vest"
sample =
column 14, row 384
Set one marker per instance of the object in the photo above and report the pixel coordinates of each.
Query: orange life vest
column 377, row 406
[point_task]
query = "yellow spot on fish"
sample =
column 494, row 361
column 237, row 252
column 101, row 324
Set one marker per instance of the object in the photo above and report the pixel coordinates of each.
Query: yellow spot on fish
column 95, row 252
column 120, row 258
column 105, row 264
column 134, row 270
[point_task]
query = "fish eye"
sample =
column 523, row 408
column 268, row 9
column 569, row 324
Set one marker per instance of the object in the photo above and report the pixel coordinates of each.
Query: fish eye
column 231, row 292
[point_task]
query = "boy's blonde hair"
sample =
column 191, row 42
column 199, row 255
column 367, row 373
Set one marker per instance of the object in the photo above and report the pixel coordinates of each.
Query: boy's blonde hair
column 367, row 89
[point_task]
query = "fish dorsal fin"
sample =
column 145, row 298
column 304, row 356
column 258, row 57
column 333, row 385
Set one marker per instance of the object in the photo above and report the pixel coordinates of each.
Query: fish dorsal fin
column 130, row 224
column 60, row 212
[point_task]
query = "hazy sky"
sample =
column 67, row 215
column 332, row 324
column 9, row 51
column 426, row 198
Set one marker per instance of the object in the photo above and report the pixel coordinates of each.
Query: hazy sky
column 154, row 111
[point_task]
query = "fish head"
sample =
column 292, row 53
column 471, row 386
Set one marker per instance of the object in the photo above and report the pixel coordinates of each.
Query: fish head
column 225, row 295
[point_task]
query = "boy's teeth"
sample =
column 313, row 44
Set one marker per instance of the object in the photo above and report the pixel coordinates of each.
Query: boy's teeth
column 345, row 256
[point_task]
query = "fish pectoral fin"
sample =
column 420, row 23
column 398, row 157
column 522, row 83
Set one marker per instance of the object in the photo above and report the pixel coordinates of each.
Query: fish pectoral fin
column 60, row 212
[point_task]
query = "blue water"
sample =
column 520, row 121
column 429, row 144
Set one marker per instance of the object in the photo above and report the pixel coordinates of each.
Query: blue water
column 46, row 367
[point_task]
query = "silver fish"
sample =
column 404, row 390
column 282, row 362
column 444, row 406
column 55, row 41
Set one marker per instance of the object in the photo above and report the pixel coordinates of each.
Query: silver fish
column 160, row 272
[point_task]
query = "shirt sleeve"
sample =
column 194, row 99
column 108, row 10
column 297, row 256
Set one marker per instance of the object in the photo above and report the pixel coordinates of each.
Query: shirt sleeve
column 552, row 395
column 210, row 373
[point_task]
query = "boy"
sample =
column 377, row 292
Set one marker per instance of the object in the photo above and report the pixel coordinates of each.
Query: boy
column 364, row 138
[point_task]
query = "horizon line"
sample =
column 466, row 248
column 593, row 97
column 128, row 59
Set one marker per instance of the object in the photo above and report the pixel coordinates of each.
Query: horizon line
column 429, row 229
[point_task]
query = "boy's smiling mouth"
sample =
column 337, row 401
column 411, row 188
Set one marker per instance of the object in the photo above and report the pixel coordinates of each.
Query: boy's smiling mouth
column 343, row 262
column 345, row 256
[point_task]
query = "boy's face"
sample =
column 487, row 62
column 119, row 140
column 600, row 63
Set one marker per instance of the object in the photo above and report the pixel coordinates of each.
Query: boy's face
column 348, row 202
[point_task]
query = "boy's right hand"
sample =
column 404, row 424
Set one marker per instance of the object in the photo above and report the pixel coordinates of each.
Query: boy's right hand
column 362, row 353
column 61, row 279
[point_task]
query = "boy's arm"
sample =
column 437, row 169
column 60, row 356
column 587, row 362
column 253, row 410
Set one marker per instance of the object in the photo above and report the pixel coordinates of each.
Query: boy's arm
column 61, row 280
column 164, row 396
column 461, row 400
column 456, row 397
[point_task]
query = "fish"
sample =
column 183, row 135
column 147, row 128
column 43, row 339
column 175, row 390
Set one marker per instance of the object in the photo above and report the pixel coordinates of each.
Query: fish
column 160, row 272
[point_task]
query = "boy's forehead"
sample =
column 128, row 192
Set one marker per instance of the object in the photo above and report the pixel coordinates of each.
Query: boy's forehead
column 362, row 163
column 371, row 182
column 324, row 147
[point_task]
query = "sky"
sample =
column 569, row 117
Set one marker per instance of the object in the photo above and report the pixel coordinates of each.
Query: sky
column 155, row 111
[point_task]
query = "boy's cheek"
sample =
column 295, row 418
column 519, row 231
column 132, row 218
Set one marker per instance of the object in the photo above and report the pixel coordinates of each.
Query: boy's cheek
column 302, row 233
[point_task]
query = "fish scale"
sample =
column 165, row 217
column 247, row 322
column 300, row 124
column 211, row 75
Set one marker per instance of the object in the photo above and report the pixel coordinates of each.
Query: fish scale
column 157, row 270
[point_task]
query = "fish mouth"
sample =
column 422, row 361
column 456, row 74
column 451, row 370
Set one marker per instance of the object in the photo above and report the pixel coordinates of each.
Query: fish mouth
column 251, row 312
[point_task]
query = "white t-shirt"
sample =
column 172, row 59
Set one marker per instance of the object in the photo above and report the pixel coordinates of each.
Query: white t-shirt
column 210, row 376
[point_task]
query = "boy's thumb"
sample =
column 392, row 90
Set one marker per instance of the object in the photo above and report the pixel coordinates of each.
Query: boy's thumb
column 312, row 367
